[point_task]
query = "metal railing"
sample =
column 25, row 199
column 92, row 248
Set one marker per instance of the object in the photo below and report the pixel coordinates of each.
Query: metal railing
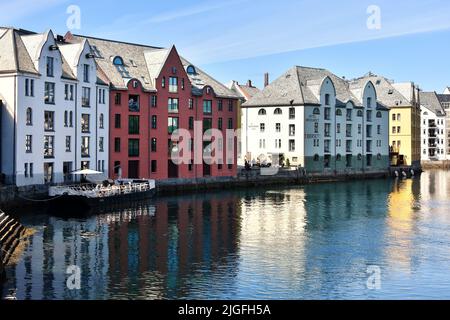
column 99, row 191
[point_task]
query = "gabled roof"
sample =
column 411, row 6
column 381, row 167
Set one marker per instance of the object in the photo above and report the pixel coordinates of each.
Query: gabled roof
column 144, row 63
column 300, row 86
column 430, row 101
column 246, row 92
column 14, row 56
column 444, row 98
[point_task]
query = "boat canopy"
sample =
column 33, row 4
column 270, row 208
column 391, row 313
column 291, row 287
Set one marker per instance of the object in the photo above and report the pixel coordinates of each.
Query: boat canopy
column 86, row 172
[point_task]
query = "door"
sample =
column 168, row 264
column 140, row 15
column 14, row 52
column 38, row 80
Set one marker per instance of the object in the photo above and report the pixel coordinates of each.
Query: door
column 133, row 169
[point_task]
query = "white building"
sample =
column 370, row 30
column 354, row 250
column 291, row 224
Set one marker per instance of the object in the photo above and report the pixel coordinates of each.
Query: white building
column 433, row 128
column 55, row 110
column 318, row 121
column 444, row 99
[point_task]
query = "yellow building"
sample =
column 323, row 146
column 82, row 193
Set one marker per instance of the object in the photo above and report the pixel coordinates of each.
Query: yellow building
column 404, row 126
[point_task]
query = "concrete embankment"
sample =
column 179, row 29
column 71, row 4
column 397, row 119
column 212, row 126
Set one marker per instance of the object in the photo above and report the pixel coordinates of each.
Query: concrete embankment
column 22, row 197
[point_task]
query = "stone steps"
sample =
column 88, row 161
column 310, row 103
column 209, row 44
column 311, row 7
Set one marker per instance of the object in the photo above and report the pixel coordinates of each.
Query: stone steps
column 11, row 233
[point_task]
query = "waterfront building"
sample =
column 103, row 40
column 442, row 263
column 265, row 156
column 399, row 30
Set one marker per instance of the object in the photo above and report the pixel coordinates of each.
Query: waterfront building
column 54, row 114
column 245, row 92
column 444, row 99
column 433, row 130
column 313, row 119
column 404, row 120
column 153, row 92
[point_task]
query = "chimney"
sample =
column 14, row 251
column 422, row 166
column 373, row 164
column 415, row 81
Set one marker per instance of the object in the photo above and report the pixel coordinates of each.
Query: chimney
column 266, row 79
column 249, row 83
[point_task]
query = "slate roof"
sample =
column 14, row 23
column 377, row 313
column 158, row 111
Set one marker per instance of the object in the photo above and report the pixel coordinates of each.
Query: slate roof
column 14, row 56
column 444, row 98
column 144, row 63
column 431, row 101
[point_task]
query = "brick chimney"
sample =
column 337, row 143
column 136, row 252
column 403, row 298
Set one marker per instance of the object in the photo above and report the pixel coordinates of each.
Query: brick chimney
column 249, row 83
column 266, row 79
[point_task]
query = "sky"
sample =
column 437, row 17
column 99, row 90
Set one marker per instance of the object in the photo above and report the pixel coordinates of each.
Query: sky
column 404, row 40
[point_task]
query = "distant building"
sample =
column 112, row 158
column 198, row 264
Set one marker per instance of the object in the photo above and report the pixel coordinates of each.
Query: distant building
column 433, row 128
column 404, row 125
column 447, row 90
column 313, row 119
column 245, row 92
column 444, row 99
column 54, row 118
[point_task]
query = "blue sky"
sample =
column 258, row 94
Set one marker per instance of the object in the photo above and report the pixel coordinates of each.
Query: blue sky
column 243, row 39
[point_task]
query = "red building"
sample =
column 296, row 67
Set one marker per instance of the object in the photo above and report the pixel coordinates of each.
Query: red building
column 154, row 91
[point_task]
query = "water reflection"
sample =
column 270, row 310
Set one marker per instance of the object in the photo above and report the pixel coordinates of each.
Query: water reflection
column 307, row 242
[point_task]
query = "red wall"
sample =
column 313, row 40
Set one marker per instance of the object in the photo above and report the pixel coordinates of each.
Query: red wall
column 161, row 133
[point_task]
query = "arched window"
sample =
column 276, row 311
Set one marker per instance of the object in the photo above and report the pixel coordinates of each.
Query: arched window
column 71, row 119
column 339, row 112
column 379, row 156
column 66, row 118
column 190, row 70
column 360, row 156
column 29, row 117
column 278, row 111
column 379, row 114
column 338, row 157
column 101, row 121
column 262, row 112
column 316, row 157
column 316, row 111
column 118, row 61
column 163, row 82
column 360, row 113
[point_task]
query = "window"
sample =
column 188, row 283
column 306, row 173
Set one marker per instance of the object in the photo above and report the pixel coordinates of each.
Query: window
column 399, row 117
column 219, row 105
column 378, row 129
column 29, row 117
column 85, row 142
column 316, row 158
column 220, row 123
column 348, row 161
column 292, row 130
column 133, row 103
column 230, row 123
column 207, row 106
column 71, row 119
column 48, row 173
column 349, row 145
column 369, row 115
column 49, row 146
column 360, row 114
column 190, row 70
column 262, row 127
column 291, row 145
column 339, row 112
column 277, row 143
column 101, row 144
column 173, row 84
column 348, row 130
column 399, row 129
column 153, row 145
column 29, row 144
column 49, row 121
column 85, row 165
column 291, row 113
column 369, row 102
column 172, row 124
column 327, row 113
column 338, row 128
column 327, row 130
column 163, row 82
column 278, row 111
column 154, row 101
column 349, row 114
column 394, row 130
column 26, row 170
column 117, row 121
column 327, row 99
column 369, row 160
column 173, row 105
column 316, row 127
column 68, row 92
column 116, row 144
column 230, row 106
column 338, row 157
column 394, row 117
column 68, row 143
column 182, row 84
column 85, row 123
column 278, row 127
column 49, row 95
column 316, row 111
column 359, row 129
column 118, row 61
column 207, row 124
column 86, row 73
column 154, row 122
column 118, row 99
column 327, row 146
column 133, row 124
column 262, row 112
column 369, row 131
column 154, row 166
column 379, row 115
column 29, row 87
column 101, row 121
column 50, row 67
column 101, row 96
column 86, row 97
column 116, row 167
column 191, row 104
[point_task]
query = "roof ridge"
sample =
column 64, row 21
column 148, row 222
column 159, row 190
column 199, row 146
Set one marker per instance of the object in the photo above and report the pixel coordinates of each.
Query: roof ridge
column 118, row 41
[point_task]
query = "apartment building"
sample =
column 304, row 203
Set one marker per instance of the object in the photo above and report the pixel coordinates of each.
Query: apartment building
column 54, row 117
column 434, row 135
column 153, row 92
column 313, row 119
column 444, row 99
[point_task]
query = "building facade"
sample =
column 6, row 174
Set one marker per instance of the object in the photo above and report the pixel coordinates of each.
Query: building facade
column 153, row 92
column 444, row 99
column 55, row 109
column 315, row 120
column 434, row 133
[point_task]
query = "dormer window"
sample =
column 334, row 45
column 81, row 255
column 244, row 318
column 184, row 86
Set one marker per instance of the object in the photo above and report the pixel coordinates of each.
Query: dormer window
column 118, row 61
column 190, row 70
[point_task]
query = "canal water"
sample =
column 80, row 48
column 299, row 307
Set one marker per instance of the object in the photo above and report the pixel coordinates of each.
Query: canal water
column 378, row 239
